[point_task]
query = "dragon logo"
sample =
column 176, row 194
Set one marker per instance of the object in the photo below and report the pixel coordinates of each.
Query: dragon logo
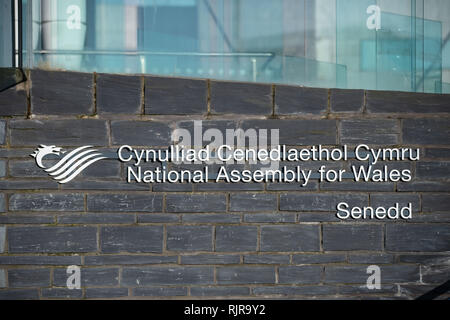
column 71, row 165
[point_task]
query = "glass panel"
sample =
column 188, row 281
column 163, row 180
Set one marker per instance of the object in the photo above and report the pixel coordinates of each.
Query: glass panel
column 367, row 44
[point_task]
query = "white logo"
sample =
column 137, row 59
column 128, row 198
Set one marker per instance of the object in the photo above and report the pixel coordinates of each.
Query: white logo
column 71, row 165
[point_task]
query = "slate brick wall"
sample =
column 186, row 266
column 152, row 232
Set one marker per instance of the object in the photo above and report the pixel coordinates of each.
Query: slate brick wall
column 215, row 240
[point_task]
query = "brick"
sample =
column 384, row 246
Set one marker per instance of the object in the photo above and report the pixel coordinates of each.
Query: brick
column 290, row 238
column 25, row 185
column 318, row 258
column 160, row 292
column 426, row 131
column 105, row 293
column 26, row 219
column 131, row 239
column 61, row 293
column 2, row 168
column 2, row 132
column 172, row 187
column 436, row 203
column 2, row 279
column 406, row 102
column 189, row 238
column 436, row 273
column 241, row 98
column 437, row 153
column 118, row 94
column 376, row 132
column 61, row 93
column 380, row 258
column 167, row 276
column 90, row 277
column 210, row 259
column 2, row 239
column 191, row 126
column 211, row 218
column 175, row 96
column 299, row 275
column 213, row 187
column 266, row 259
column 359, row 275
column 269, row 218
column 128, row 260
column 157, row 218
column 25, row 278
column 46, row 202
column 27, row 294
column 52, row 239
column 195, row 203
column 352, row 237
column 141, row 133
column 246, row 275
column 362, row 289
column 297, row 132
column 253, row 202
column 318, row 290
column 219, row 291
column 124, row 202
column 389, row 200
column 347, row 100
column 432, row 170
column 40, row 260
column 320, row 201
column 293, row 100
column 424, row 259
column 13, row 101
column 418, row 186
column 96, row 218
column 357, row 186
column 236, row 238
column 105, row 186
column 318, row 217
column 311, row 186
column 33, row 133
column 417, row 237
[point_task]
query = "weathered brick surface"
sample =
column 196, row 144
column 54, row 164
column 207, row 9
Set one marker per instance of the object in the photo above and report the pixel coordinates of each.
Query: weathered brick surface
column 216, row 240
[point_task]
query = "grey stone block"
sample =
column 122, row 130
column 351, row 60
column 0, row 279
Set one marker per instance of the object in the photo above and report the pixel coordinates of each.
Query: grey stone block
column 436, row 203
column 266, row 259
column 426, row 131
column 318, row 258
column 433, row 170
column 297, row 132
column 318, row 217
column 46, row 202
column 246, row 275
column 172, row 187
column 96, row 218
column 406, row 102
column 320, row 201
column 2, row 239
column 437, row 153
column 211, row 218
column 359, row 275
column 270, row 218
column 299, row 274
column 347, row 100
column 210, row 259
column 26, row 219
column 375, row 132
column 124, row 202
column 61, row 293
column 2, row 278
column 160, row 292
column 290, row 238
column 141, row 133
column 352, row 237
column 158, row 218
column 293, row 100
column 357, row 186
column 241, row 98
column 195, row 203
column 131, row 239
column 175, row 96
column 61, row 93
column 82, row 132
column 25, row 185
column 213, row 187
column 40, row 260
column 2, row 132
column 25, row 278
column 236, row 238
column 166, row 276
column 2, row 168
column 13, row 101
column 189, row 238
column 253, row 202
column 318, row 290
column 419, row 186
column 52, row 239
column 21, row 294
column 379, row 258
column 417, row 237
column 118, row 94
column 89, row 277
column 362, row 289
column 388, row 200
column 219, row 291
column 106, row 293
column 128, row 260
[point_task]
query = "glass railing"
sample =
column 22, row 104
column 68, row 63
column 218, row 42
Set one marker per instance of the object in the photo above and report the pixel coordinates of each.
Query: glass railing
column 365, row 44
